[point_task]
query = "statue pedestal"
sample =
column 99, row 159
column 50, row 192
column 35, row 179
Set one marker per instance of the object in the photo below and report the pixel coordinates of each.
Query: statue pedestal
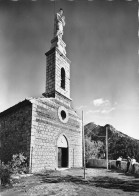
column 60, row 44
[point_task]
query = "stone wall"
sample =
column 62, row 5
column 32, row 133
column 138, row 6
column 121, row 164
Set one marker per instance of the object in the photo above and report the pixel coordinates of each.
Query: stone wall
column 124, row 166
column 62, row 62
column 55, row 62
column 15, row 129
column 47, row 128
column 50, row 75
column 98, row 163
column 101, row 163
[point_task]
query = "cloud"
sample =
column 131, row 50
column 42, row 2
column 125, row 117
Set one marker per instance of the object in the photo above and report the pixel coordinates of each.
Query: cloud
column 102, row 106
column 100, row 102
column 92, row 111
column 81, row 107
column 106, row 111
column 101, row 111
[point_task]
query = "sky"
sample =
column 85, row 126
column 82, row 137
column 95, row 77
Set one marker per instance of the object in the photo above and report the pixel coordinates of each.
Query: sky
column 102, row 44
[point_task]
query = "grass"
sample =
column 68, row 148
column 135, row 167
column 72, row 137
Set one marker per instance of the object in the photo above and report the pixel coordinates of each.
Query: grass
column 71, row 182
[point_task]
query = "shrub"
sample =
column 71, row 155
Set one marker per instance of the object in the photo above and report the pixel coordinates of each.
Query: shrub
column 5, row 173
column 18, row 163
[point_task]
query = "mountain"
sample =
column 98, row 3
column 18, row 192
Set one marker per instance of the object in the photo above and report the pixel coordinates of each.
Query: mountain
column 119, row 144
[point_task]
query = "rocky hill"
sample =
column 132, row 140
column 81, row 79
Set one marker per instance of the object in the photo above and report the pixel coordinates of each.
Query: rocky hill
column 119, row 144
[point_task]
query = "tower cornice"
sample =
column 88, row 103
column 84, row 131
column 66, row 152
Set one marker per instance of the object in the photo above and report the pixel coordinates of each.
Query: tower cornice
column 55, row 49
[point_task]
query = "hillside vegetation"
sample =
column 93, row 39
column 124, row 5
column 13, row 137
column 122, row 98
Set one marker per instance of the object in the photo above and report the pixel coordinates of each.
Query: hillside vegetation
column 119, row 144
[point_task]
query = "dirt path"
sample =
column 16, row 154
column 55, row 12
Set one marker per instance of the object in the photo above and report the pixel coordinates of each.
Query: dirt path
column 98, row 182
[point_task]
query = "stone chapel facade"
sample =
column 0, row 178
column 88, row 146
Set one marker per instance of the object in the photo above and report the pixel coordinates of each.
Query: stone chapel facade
column 47, row 129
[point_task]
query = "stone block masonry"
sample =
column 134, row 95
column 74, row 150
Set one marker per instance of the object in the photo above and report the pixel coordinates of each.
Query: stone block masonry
column 34, row 127
column 47, row 128
column 55, row 62
column 50, row 75
column 62, row 62
column 15, row 130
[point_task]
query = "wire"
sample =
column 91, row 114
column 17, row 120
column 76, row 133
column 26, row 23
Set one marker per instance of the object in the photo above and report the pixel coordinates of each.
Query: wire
column 93, row 129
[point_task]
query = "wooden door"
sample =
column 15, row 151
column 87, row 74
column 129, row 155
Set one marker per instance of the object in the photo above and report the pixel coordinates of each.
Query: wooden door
column 59, row 157
column 64, row 157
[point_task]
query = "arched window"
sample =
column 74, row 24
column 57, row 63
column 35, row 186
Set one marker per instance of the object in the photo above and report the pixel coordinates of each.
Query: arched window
column 62, row 142
column 62, row 78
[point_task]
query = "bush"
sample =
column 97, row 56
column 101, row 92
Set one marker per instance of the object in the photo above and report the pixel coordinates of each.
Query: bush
column 5, row 173
column 17, row 165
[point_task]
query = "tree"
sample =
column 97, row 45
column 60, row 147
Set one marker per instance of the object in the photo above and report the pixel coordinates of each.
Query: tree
column 93, row 149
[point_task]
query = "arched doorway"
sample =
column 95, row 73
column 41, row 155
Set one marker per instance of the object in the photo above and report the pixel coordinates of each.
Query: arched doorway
column 62, row 151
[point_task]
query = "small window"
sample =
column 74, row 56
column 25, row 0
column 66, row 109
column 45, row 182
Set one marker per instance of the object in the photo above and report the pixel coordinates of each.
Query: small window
column 62, row 78
column 63, row 114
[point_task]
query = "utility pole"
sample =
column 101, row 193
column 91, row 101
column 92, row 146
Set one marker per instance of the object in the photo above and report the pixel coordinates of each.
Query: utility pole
column 83, row 145
column 54, row 7
column 107, row 146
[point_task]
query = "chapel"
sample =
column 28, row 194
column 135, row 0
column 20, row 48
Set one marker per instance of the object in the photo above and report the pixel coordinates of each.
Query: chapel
column 46, row 129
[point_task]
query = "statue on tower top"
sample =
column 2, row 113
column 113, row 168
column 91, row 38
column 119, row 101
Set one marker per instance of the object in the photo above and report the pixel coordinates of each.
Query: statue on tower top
column 59, row 23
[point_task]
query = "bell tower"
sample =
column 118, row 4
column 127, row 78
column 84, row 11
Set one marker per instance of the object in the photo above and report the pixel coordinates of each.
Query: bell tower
column 58, row 65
